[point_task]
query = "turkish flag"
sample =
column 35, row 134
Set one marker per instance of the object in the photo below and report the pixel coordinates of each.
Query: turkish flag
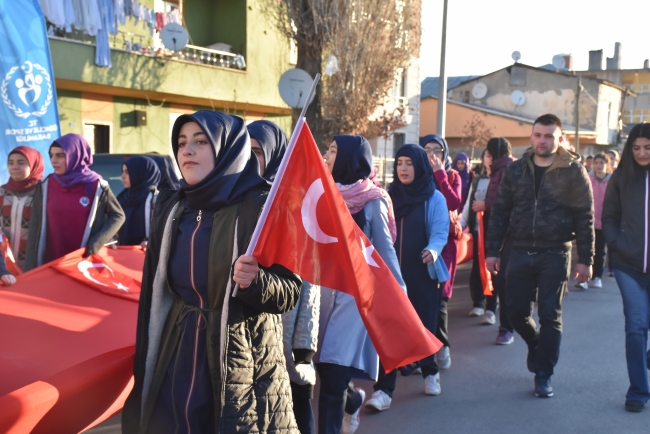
column 307, row 228
column 96, row 273
column 7, row 254
column 486, row 277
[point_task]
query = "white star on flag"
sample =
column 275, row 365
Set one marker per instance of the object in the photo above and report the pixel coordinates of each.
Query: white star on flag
column 367, row 254
column 122, row 287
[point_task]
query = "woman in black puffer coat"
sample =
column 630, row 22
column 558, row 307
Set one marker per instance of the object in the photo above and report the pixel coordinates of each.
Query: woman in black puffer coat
column 206, row 362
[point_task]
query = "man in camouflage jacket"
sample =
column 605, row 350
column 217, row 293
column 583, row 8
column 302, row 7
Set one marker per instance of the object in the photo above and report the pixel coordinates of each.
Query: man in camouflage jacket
column 544, row 201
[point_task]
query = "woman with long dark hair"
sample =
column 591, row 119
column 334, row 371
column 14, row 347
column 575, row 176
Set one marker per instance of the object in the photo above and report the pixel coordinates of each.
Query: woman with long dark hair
column 345, row 349
column 482, row 305
column 73, row 207
column 206, row 361
column 26, row 170
column 449, row 183
column 140, row 176
column 625, row 223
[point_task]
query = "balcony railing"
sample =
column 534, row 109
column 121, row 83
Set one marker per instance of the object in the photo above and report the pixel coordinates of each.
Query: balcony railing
column 142, row 45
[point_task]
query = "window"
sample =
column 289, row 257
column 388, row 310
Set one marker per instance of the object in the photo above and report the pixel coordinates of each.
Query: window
column 98, row 137
column 640, row 88
column 636, row 116
column 398, row 141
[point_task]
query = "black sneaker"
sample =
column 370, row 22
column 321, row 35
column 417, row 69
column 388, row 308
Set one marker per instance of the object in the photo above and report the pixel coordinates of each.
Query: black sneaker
column 531, row 359
column 634, row 406
column 543, row 387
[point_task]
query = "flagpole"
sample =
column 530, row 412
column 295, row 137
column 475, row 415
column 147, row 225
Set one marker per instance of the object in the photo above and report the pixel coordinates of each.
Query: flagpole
column 280, row 174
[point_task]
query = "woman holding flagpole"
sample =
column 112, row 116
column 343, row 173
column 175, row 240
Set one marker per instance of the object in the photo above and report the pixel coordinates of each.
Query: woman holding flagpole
column 206, row 361
column 349, row 158
column 26, row 170
column 422, row 228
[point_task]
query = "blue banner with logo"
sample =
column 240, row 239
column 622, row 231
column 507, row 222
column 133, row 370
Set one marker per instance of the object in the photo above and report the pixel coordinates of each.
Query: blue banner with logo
column 29, row 114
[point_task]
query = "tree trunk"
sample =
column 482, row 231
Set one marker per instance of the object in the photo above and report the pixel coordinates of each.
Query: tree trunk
column 310, row 59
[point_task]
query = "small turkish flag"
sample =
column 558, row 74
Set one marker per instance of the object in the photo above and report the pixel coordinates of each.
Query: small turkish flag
column 94, row 272
column 307, row 228
column 7, row 254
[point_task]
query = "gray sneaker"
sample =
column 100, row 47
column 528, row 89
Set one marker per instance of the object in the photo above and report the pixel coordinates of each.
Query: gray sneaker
column 443, row 357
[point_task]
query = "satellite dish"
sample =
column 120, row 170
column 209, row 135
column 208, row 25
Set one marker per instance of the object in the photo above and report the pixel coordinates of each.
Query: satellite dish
column 174, row 36
column 518, row 98
column 479, row 90
column 294, row 87
column 558, row 61
column 516, row 55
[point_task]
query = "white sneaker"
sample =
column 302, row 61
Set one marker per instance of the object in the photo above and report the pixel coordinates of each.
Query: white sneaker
column 596, row 283
column 351, row 421
column 582, row 286
column 418, row 371
column 477, row 311
column 432, row 385
column 443, row 358
column 489, row 318
column 379, row 401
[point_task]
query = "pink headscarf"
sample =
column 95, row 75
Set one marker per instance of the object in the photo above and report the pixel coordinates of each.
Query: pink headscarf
column 357, row 195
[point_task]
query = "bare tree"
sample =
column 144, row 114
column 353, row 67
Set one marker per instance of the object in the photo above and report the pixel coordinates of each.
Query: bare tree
column 371, row 39
column 475, row 132
column 384, row 123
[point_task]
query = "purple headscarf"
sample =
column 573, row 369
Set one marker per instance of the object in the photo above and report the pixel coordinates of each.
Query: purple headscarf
column 464, row 174
column 78, row 159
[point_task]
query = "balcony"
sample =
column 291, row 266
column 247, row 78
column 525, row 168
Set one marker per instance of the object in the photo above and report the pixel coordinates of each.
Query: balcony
column 137, row 44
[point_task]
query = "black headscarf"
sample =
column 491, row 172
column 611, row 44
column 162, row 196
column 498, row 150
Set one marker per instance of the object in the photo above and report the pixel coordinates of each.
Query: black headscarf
column 235, row 172
column 144, row 176
column 274, row 144
column 353, row 159
column 443, row 144
column 353, row 163
column 168, row 178
column 407, row 197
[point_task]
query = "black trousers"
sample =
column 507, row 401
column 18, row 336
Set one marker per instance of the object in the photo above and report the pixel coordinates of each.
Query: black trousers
column 442, row 331
column 544, row 274
column 599, row 258
column 337, row 395
column 476, row 284
column 302, row 409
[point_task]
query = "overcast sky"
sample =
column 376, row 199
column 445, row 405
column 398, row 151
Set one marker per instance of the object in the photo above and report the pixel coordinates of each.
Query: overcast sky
column 482, row 34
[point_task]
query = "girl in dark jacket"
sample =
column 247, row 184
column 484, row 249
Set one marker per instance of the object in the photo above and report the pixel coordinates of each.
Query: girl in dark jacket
column 501, row 152
column 206, row 362
column 26, row 170
column 72, row 208
column 449, row 183
column 140, row 176
column 625, row 224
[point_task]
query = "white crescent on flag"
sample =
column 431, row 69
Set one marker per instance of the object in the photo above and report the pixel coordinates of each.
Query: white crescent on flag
column 309, row 216
column 85, row 265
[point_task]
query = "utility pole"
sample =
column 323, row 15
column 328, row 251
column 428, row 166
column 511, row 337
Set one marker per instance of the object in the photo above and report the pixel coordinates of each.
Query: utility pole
column 442, row 80
column 576, row 115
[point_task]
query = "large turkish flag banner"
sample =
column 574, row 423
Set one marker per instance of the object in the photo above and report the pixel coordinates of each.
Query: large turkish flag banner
column 307, row 228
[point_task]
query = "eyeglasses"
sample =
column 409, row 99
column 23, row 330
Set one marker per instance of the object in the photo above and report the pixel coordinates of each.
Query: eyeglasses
column 435, row 151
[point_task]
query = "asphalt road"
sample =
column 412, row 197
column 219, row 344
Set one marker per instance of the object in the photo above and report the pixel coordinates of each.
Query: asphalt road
column 489, row 390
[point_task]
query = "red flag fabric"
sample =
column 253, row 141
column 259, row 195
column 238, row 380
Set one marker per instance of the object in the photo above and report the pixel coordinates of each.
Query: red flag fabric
column 486, row 277
column 67, row 349
column 97, row 274
column 309, row 230
column 10, row 260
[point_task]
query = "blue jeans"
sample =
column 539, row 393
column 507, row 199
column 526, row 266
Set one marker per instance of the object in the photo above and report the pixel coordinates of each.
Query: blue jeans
column 636, row 307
